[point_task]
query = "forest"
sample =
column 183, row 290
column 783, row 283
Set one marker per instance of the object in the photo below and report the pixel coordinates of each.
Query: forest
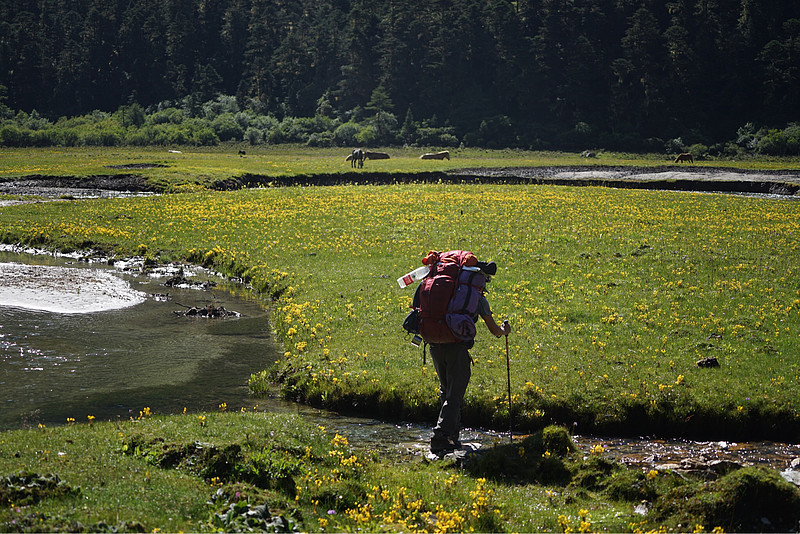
column 640, row 75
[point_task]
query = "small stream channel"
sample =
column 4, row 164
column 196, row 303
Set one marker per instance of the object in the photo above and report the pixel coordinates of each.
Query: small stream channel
column 56, row 364
column 111, row 364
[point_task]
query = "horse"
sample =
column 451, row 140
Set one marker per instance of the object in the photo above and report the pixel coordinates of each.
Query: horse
column 685, row 156
column 356, row 156
column 375, row 155
column 444, row 154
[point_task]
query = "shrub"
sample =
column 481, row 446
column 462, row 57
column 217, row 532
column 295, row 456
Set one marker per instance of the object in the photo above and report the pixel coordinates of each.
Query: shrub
column 12, row 135
column 264, row 122
column 68, row 137
column 324, row 139
column 221, row 105
column 345, row 134
column 742, row 500
column 254, row 136
column 166, row 116
column 436, row 137
column 226, row 128
column 674, row 146
column 698, row 150
column 204, row 137
column 103, row 137
column 367, row 136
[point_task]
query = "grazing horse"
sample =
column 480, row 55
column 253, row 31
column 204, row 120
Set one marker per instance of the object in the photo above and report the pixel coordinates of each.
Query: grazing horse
column 685, row 156
column 357, row 156
column 375, row 155
column 444, row 154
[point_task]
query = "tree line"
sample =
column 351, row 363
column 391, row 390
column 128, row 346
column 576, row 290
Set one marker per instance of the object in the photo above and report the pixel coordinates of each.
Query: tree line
column 621, row 74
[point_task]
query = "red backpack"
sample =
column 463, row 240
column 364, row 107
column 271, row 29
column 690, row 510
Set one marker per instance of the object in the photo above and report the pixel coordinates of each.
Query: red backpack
column 448, row 297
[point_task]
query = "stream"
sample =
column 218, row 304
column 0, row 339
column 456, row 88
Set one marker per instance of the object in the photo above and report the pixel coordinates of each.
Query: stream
column 80, row 339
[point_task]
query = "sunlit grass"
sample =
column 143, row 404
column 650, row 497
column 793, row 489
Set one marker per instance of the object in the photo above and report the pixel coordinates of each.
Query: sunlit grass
column 205, row 166
column 202, row 473
column 234, row 471
column 614, row 295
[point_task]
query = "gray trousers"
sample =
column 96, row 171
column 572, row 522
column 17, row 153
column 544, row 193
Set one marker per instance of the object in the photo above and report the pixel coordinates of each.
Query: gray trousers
column 452, row 363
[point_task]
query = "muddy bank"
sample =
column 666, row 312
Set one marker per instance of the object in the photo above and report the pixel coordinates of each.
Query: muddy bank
column 665, row 177
column 66, row 186
column 669, row 177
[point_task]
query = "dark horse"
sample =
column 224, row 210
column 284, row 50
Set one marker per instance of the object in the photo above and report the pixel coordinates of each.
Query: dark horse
column 357, row 156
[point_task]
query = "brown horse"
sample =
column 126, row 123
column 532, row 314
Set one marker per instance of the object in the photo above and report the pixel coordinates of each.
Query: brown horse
column 444, row 154
column 685, row 156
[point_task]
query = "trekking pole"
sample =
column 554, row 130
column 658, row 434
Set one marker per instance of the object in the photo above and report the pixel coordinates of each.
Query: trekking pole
column 508, row 373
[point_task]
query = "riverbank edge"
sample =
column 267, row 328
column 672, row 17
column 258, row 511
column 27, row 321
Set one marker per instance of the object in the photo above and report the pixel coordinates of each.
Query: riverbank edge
column 662, row 177
column 632, row 421
column 668, row 178
column 702, row 423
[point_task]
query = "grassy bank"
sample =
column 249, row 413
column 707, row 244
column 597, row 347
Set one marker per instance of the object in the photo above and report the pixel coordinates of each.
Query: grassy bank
column 239, row 472
column 194, row 167
column 614, row 296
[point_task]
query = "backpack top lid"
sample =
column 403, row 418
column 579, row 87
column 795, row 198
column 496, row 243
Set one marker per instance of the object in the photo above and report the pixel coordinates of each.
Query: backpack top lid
column 463, row 258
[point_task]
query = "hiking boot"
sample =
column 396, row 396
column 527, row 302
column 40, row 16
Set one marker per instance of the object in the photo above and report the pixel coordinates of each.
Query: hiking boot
column 442, row 446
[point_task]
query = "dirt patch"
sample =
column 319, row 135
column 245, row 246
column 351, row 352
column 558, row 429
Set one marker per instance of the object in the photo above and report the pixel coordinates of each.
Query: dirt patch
column 103, row 185
column 133, row 166
column 666, row 177
column 108, row 182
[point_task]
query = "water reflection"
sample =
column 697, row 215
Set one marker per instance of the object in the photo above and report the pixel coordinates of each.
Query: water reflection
column 114, row 363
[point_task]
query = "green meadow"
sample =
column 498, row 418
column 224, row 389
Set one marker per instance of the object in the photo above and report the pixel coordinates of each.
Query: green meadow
column 613, row 296
column 203, row 167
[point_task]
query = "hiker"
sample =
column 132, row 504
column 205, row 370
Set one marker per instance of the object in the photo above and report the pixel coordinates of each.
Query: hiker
column 452, row 360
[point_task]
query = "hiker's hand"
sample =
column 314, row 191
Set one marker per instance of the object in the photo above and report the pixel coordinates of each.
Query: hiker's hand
column 506, row 327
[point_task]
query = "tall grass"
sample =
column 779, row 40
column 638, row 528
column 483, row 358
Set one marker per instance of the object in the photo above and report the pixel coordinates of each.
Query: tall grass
column 613, row 295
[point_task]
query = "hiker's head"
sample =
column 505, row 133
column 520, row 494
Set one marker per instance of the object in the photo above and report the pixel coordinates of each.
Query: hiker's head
column 488, row 269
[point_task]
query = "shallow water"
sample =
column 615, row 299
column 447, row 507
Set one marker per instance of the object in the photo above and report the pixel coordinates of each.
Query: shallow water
column 114, row 363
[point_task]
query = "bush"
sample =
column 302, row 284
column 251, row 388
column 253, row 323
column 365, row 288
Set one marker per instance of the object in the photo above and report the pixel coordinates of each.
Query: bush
column 773, row 143
column 495, row 132
column 69, row 137
column 166, row 116
column 345, row 134
column 226, row 128
column 698, row 150
column 103, row 137
column 221, row 105
column 674, row 146
column 204, row 137
column 740, row 501
column 264, row 122
column 254, row 136
column 367, row 136
column 444, row 137
column 324, row 139
column 12, row 135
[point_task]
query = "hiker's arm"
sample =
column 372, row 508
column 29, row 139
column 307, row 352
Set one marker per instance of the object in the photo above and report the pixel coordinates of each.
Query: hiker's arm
column 496, row 329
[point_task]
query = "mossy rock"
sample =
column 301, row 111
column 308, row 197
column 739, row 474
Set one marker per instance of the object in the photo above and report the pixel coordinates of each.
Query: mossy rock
column 753, row 499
